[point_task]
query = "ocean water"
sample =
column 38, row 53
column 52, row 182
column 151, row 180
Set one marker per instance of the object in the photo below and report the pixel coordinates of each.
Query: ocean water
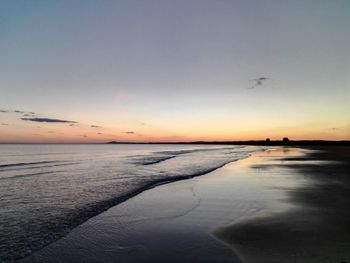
column 47, row 190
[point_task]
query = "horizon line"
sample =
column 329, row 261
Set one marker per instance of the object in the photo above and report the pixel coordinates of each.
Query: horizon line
column 253, row 141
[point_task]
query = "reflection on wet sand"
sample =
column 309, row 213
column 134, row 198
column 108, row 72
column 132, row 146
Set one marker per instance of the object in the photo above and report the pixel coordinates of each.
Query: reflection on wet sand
column 316, row 229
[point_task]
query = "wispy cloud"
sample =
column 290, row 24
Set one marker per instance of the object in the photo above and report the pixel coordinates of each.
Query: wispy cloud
column 26, row 113
column 258, row 82
column 129, row 132
column 95, row 126
column 4, row 124
column 47, row 120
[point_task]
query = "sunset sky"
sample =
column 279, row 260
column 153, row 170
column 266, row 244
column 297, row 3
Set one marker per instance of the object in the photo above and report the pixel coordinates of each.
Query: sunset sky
column 173, row 70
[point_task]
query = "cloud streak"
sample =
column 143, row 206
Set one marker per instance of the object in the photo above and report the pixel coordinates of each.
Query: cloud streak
column 26, row 113
column 95, row 126
column 48, row 120
column 258, row 82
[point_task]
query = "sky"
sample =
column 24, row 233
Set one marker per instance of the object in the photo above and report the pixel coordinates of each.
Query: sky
column 163, row 70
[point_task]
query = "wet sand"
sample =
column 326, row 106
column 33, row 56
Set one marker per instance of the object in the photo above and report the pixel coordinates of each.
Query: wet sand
column 316, row 230
column 260, row 209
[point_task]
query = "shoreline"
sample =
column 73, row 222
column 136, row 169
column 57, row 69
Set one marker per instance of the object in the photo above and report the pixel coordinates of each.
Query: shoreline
column 186, row 210
column 317, row 230
column 108, row 204
column 246, row 211
column 65, row 229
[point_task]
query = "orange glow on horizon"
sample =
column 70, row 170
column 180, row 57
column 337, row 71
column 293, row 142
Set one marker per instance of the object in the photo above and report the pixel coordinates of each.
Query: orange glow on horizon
column 153, row 134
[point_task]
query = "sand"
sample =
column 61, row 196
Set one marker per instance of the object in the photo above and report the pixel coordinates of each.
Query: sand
column 282, row 205
column 317, row 230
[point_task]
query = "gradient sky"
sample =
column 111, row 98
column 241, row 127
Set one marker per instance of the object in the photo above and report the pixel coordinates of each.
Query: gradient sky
column 174, row 70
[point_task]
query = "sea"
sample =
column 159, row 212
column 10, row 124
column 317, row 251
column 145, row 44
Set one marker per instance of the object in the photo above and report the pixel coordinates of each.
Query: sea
column 46, row 190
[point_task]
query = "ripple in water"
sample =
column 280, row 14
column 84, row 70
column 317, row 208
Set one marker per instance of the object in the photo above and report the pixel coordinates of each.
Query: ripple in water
column 47, row 190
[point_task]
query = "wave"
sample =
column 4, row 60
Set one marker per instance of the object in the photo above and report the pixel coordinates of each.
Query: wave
column 23, row 164
column 149, row 159
column 161, row 156
column 37, row 165
column 156, row 157
column 178, row 152
column 29, row 175
column 99, row 184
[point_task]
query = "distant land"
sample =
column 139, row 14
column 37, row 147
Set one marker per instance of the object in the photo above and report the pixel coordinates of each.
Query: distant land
column 266, row 142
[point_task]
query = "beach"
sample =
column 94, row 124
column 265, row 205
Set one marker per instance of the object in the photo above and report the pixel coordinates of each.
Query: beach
column 317, row 230
column 189, row 131
column 285, row 204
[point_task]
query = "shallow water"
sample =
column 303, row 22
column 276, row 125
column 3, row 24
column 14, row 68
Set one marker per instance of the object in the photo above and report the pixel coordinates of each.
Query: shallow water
column 47, row 190
column 178, row 222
